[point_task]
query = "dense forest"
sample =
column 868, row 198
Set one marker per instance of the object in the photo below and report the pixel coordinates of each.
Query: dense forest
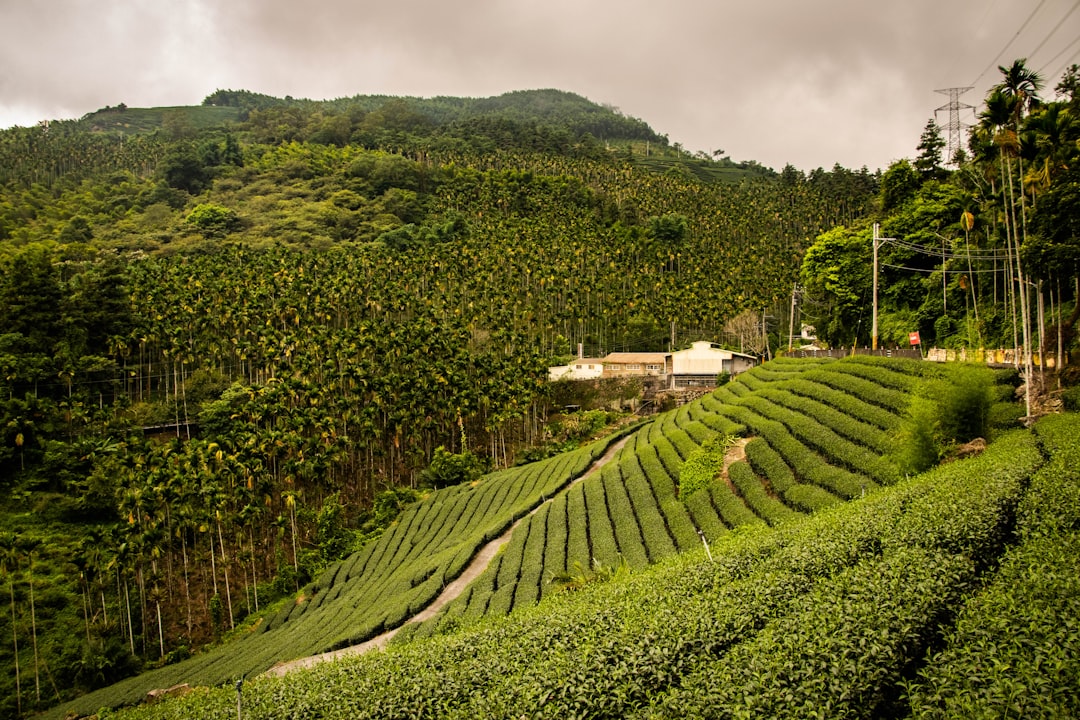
column 237, row 338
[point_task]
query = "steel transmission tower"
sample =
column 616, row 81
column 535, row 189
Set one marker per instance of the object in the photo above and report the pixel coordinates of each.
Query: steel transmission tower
column 955, row 126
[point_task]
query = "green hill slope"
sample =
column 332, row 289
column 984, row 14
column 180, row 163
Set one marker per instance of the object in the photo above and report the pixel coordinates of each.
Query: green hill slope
column 811, row 451
column 874, row 608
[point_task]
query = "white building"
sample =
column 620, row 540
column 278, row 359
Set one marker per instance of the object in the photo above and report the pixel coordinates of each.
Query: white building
column 703, row 362
column 580, row 369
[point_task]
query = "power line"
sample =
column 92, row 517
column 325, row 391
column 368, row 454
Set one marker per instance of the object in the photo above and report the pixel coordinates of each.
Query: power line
column 993, row 255
column 1011, row 41
column 938, row 269
column 1060, row 53
column 1067, row 63
column 1054, row 30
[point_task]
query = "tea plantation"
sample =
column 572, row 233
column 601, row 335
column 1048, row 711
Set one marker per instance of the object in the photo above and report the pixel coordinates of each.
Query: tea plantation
column 835, row 583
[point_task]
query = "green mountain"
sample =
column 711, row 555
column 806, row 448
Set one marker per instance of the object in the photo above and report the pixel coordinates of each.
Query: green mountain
column 236, row 337
column 275, row 370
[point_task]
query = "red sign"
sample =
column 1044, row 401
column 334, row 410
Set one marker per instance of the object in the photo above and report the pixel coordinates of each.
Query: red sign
column 913, row 338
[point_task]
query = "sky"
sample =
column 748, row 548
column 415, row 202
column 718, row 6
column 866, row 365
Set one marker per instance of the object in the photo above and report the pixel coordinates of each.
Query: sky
column 806, row 82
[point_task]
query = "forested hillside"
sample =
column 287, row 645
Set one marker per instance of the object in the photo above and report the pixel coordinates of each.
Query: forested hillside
column 235, row 336
column 266, row 358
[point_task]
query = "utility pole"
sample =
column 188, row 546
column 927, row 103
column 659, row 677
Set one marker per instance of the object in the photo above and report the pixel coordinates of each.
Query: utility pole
column 944, row 282
column 791, row 325
column 954, row 128
column 874, row 327
column 765, row 334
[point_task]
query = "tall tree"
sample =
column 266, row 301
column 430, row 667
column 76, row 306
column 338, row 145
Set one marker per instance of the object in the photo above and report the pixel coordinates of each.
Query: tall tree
column 1022, row 86
column 9, row 563
column 898, row 185
column 30, row 296
column 928, row 161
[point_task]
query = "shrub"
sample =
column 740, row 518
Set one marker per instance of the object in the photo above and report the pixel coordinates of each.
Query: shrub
column 703, row 465
column 965, row 402
column 386, row 507
column 917, row 444
column 213, row 221
column 952, row 408
column 449, row 468
column 1071, row 399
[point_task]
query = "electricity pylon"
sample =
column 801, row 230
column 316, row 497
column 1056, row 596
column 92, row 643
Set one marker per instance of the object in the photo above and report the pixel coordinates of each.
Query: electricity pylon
column 955, row 126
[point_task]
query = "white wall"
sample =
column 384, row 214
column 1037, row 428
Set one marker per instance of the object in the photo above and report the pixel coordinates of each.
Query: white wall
column 699, row 359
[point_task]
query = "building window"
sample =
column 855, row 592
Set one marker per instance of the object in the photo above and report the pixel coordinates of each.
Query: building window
column 652, row 367
column 633, row 366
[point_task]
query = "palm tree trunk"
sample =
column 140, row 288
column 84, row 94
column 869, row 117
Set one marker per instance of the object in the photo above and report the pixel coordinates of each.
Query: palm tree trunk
column 187, row 583
column 225, row 569
column 213, row 564
column 1060, row 334
column 140, row 578
column 292, row 520
column 160, row 630
column 130, row 627
column 15, row 642
column 1024, row 312
column 33, row 631
column 254, row 578
column 85, row 611
column 1009, row 272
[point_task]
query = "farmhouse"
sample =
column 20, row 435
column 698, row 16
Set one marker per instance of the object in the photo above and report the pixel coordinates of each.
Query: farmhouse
column 624, row 364
column 580, row 369
column 699, row 365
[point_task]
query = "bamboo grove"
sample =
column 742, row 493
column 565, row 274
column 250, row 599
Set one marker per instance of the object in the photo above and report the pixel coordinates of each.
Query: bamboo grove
column 220, row 357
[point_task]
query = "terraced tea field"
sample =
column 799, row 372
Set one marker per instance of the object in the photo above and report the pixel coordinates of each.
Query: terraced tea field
column 822, row 434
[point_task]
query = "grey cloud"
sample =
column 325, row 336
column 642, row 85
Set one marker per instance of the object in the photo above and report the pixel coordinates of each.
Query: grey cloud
column 810, row 82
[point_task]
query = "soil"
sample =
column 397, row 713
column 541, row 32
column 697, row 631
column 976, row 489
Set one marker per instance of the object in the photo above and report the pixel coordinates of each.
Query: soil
column 734, row 454
column 476, row 566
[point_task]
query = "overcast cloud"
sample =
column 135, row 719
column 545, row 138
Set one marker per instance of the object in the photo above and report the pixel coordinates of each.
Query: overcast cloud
column 810, row 82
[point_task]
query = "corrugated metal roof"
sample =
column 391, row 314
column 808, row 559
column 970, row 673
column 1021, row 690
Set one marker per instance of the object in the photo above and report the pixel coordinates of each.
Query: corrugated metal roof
column 621, row 358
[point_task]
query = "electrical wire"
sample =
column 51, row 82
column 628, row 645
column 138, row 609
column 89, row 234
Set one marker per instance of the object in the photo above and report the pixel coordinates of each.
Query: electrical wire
column 1010, row 42
column 1068, row 62
column 1054, row 30
column 937, row 270
column 995, row 255
column 1060, row 53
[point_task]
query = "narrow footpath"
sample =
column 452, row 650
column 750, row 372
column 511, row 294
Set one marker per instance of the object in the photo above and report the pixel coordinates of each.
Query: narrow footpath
column 476, row 566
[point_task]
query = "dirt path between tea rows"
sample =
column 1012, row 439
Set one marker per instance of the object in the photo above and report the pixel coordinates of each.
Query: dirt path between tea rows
column 473, row 570
column 735, row 453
